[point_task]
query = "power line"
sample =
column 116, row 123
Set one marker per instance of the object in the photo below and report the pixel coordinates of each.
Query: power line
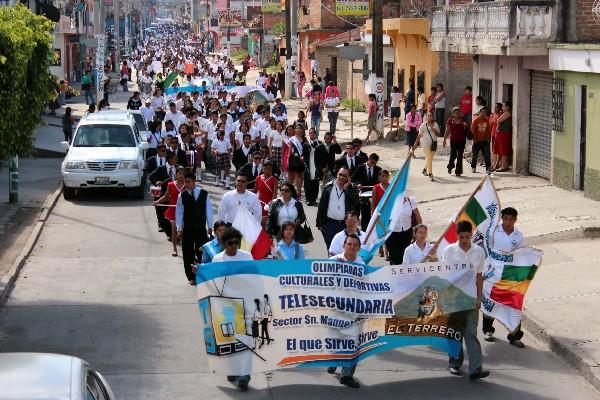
column 337, row 16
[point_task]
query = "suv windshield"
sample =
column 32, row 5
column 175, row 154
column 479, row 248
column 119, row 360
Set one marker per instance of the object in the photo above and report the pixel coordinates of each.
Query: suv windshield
column 140, row 122
column 104, row 136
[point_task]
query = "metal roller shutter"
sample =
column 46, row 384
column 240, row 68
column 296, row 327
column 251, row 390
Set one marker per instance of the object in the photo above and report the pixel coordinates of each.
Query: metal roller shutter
column 540, row 125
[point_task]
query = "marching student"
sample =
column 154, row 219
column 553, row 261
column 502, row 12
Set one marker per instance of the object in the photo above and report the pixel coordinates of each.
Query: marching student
column 365, row 177
column 313, row 172
column 239, row 197
column 337, row 243
column 465, row 252
column 194, row 220
column 221, row 150
column 506, row 238
column 351, row 248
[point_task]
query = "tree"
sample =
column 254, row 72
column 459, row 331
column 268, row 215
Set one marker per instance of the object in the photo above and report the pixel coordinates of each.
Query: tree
column 26, row 84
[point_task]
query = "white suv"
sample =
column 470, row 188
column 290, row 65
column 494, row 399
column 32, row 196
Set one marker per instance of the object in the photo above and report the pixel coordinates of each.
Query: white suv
column 107, row 151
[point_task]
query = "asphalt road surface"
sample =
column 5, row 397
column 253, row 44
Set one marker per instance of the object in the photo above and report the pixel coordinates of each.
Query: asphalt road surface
column 102, row 285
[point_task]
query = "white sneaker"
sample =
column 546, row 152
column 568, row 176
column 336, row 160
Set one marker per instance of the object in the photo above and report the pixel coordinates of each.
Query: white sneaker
column 489, row 337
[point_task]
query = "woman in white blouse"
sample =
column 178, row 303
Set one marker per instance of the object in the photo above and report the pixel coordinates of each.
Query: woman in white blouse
column 427, row 138
column 402, row 232
column 419, row 250
column 158, row 104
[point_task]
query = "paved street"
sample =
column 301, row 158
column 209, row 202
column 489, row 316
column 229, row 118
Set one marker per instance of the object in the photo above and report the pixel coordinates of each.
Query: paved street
column 102, row 285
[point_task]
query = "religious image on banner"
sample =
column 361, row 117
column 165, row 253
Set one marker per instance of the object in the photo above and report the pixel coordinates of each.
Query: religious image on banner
column 269, row 314
column 230, row 18
column 352, row 7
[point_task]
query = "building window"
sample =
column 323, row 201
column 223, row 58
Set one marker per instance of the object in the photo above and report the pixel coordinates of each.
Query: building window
column 558, row 103
column 485, row 91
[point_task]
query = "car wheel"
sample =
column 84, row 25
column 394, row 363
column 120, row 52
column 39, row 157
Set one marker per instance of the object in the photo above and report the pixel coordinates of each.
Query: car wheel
column 138, row 192
column 68, row 192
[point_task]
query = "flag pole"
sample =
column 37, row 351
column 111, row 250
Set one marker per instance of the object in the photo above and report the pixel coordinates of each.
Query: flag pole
column 435, row 246
column 390, row 189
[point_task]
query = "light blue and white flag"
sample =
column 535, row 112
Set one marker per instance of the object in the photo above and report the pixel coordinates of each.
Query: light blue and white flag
column 386, row 213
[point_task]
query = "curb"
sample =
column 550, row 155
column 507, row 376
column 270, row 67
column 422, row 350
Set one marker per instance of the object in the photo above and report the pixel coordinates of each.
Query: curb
column 560, row 347
column 7, row 280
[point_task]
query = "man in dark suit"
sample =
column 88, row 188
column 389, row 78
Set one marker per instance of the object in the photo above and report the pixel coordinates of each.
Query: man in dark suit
column 312, row 173
column 360, row 155
column 194, row 219
column 325, row 154
column 161, row 176
column 347, row 160
column 174, row 147
column 252, row 169
column 338, row 197
column 241, row 156
column 365, row 177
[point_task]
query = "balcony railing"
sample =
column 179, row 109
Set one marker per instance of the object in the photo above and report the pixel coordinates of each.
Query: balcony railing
column 517, row 27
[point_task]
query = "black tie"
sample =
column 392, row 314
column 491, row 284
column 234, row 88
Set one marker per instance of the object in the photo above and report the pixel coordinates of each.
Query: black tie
column 256, row 170
column 369, row 169
column 351, row 164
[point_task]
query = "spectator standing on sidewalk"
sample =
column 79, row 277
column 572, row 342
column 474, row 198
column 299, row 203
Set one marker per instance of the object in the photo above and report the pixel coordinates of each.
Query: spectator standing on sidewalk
column 86, row 86
column 503, row 145
column 466, row 105
column 412, row 124
column 67, row 124
column 493, row 130
column 421, row 101
column 395, row 98
column 480, row 127
column 372, row 110
column 134, row 103
column 440, row 107
column 301, row 83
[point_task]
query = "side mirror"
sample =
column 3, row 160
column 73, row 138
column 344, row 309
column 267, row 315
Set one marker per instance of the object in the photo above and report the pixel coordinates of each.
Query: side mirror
column 144, row 145
column 65, row 146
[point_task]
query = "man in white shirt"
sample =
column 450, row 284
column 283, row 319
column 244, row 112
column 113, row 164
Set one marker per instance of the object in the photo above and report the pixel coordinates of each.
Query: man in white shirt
column 147, row 111
column 337, row 243
column 506, row 238
column 465, row 252
column 350, row 253
column 239, row 197
column 174, row 115
column 231, row 240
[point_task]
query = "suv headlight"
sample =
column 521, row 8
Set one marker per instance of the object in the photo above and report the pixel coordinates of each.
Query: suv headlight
column 75, row 165
column 129, row 165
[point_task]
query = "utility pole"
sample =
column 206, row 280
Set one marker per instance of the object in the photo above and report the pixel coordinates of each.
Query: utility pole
column 100, row 26
column 116, row 6
column 228, row 31
column 377, row 84
column 288, row 47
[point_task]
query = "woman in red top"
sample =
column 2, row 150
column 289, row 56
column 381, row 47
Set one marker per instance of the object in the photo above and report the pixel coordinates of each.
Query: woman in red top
column 266, row 188
column 378, row 191
column 503, row 146
column 493, row 129
column 456, row 128
column 171, row 195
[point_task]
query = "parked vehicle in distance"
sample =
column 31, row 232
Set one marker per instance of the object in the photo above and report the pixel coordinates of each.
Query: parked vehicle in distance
column 27, row 376
column 107, row 151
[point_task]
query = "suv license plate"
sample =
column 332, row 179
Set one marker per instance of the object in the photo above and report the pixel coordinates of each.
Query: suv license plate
column 102, row 180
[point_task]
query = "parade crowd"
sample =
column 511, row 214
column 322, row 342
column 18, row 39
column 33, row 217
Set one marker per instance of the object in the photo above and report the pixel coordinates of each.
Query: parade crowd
column 200, row 131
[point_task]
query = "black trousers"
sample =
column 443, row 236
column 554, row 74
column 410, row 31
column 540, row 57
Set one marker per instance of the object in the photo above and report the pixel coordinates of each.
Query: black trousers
column 311, row 190
column 396, row 243
column 193, row 239
column 488, row 326
column 365, row 215
column 484, row 147
column 330, row 229
column 163, row 223
column 457, row 150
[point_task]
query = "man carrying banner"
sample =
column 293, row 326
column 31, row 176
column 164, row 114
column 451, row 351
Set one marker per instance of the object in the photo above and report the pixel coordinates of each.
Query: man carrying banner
column 506, row 239
column 464, row 252
column 232, row 239
column 350, row 254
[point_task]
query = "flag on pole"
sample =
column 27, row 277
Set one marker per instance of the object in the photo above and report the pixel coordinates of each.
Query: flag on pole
column 170, row 79
column 386, row 212
column 506, row 279
column 482, row 210
column 254, row 238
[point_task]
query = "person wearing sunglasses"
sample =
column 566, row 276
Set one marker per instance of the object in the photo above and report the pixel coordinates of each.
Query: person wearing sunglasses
column 231, row 240
column 338, row 198
column 285, row 208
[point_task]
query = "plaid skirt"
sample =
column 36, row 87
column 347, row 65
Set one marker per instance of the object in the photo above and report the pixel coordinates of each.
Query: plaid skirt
column 277, row 157
column 222, row 162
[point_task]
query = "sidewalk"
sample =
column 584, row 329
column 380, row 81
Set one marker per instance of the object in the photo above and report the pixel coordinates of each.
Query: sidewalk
column 561, row 303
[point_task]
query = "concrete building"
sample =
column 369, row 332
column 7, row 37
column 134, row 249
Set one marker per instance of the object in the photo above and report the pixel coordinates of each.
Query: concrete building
column 507, row 41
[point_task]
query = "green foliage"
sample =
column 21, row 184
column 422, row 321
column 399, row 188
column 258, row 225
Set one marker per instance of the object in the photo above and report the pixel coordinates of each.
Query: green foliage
column 25, row 80
column 278, row 29
column 238, row 55
column 355, row 104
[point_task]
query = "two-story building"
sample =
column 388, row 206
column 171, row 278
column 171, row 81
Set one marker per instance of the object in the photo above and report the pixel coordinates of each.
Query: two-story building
column 507, row 41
